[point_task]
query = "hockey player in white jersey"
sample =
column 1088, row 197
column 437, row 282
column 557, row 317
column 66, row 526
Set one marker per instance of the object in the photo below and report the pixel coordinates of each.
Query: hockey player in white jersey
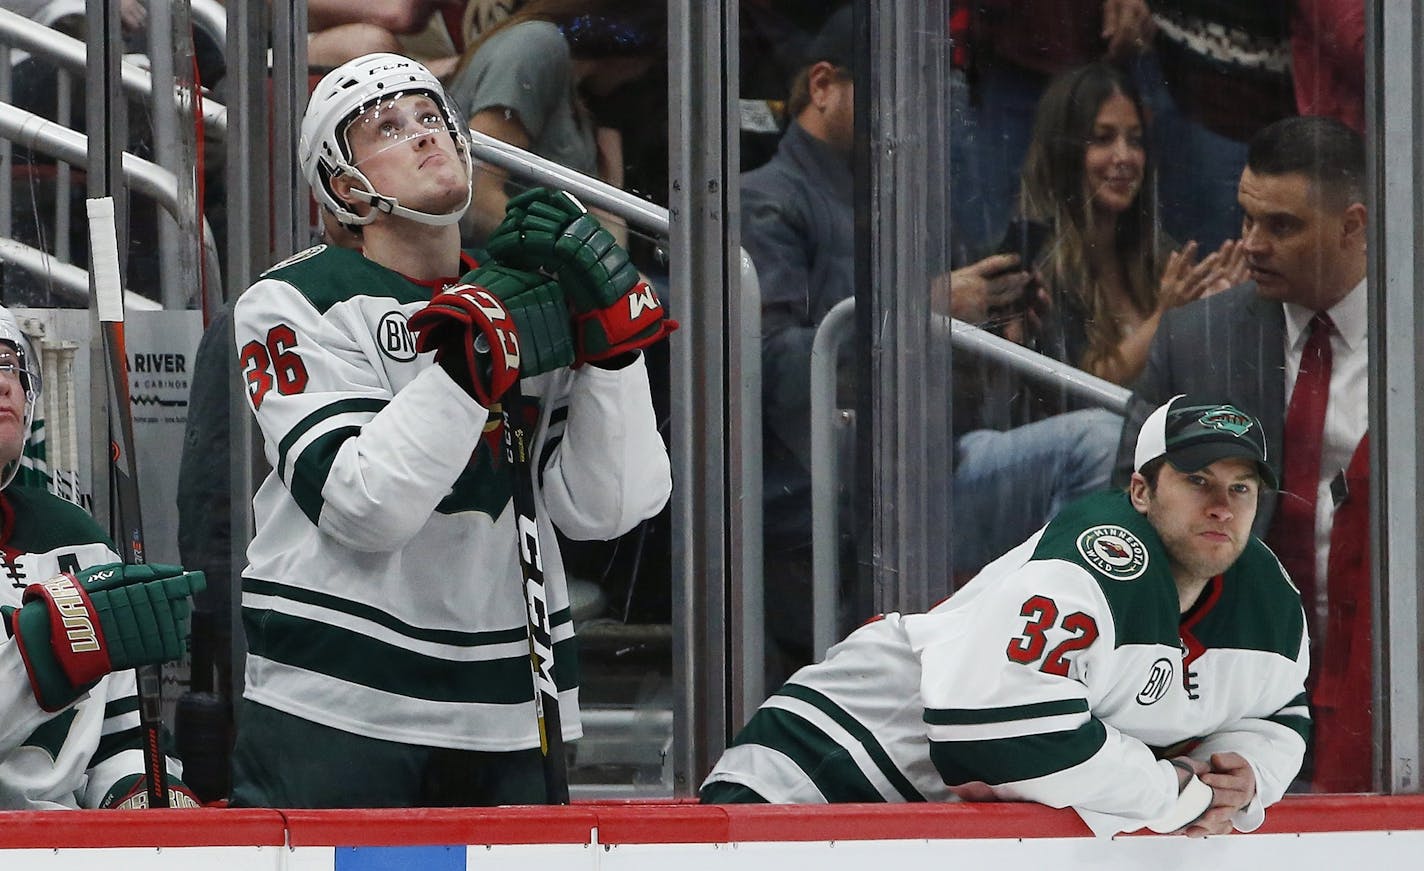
column 383, row 599
column 73, row 628
column 1142, row 659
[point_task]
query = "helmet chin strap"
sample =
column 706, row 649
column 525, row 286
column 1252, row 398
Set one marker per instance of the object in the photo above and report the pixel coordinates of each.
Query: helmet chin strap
column 392, row 206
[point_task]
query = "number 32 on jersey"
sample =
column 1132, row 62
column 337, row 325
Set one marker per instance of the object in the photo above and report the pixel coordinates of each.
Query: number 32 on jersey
column 274, row 363
column 1042, row 614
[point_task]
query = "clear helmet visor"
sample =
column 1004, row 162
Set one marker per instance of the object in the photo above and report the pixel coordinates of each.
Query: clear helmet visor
column 396, row 121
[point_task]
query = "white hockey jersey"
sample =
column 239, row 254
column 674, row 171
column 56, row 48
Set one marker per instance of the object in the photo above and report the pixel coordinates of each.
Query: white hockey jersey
column 1063, row 674
column 383, row 594
column 74, row 757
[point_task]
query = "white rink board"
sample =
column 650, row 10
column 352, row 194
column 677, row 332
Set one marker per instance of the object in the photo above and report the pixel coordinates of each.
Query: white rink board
column 1284, row 852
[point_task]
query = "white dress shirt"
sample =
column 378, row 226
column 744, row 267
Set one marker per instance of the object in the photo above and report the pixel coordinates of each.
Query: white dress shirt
column 1346, row 413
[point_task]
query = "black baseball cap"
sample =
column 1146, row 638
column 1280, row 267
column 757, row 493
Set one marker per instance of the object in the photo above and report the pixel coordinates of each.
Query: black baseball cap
column 1193, row 432
column 833, row 42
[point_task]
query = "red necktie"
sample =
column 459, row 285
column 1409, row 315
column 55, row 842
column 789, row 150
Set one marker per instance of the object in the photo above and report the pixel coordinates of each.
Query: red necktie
column 1292, row 533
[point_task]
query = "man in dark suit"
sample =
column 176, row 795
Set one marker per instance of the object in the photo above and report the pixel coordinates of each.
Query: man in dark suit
column 1290, row 346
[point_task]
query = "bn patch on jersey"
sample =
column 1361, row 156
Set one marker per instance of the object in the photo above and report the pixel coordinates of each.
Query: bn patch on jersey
column 1114, row 551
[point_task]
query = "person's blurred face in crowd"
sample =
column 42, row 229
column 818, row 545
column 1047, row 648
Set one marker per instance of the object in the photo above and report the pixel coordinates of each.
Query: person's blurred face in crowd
column 404, row 148
column 833, row 99
column 12, row 406
column 1297, row 241
column 1203, row 517
column 1115, row 158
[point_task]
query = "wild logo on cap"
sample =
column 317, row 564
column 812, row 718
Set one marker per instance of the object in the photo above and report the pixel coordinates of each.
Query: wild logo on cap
column 1227, row 418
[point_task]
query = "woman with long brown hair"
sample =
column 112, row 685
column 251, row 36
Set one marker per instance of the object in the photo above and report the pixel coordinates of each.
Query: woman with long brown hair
column 1089, row 178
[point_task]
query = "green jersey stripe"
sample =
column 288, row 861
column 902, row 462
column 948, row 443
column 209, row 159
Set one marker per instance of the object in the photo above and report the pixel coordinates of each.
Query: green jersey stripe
column 305, row 425
column 119, row 707
column 389, row 621
column 310, row 471
column 828, row 765
column 115, row 743
column 1010, row 760
column 858, row 731
column 1299, row 725
column 1007, row 714
column 355, row 658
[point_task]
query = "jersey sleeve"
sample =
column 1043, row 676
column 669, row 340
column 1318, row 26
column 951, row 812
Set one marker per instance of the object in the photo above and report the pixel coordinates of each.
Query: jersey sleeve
column 1008, row 685
column 22, row 715
column 367, row 465
column 610, row 469
column 1273, row 741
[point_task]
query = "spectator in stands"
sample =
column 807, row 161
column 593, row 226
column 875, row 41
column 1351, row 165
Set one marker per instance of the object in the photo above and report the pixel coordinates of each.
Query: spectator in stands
column 1298, row 331
column 341, row 30
column 798, row 227
column 1089, row 180
column 526, row 81
column 1005, row 52
column 1328, row 59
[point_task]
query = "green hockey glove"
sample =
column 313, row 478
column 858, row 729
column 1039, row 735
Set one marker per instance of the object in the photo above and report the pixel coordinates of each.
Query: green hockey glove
column 536, row 303
column 613, row 311
column 75, row 628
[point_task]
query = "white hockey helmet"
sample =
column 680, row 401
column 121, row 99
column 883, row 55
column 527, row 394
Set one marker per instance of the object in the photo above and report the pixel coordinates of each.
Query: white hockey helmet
column 338, row 99
column 10, row 334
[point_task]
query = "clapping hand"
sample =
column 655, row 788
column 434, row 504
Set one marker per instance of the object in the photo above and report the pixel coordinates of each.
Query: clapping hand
column 1185, row 280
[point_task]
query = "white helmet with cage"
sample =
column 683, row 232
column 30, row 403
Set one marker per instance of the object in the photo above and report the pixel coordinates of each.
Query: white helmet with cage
column 12, row 335
column 339, row 98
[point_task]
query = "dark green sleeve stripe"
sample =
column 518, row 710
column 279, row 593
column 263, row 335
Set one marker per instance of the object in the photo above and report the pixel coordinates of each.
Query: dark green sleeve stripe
column 115, row 743
column 1009, row 760
column 387, row 620
column 826, row 763
column 341, row 406
column 119, row 707
column 1008, row 714
column 1298, row 725
column 356, row 658
column 1302, row 700
column 858, row 731
column 310, row 471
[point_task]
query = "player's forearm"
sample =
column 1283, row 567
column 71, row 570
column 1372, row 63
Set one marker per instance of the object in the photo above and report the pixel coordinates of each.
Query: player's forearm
column 611, row 469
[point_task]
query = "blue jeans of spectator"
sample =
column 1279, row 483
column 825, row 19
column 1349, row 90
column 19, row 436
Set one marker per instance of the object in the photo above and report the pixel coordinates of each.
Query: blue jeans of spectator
column 1008, row 484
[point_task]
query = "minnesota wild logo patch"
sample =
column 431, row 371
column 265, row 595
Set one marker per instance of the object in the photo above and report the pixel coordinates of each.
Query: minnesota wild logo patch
column 1227, row 419
column 1114, row 551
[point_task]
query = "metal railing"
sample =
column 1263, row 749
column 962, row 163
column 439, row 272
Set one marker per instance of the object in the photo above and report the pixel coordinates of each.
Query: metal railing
column 965, row 338
column 61, row 143
column 68, row 280
column 20, row 32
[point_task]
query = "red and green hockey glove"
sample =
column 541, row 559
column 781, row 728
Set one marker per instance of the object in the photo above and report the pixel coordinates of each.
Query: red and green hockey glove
column 474, row 339
column 613, row 311
column 75, row 628
column 536, row 303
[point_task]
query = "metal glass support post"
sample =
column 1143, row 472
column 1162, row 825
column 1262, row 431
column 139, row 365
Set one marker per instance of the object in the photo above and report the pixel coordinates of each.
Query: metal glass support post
column 702, row 72
column 249, row 252
column 905, row 446
column 291, row 219
column 1394, row 114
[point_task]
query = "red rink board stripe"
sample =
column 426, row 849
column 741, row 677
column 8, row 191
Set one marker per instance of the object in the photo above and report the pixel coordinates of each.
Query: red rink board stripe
column 631, row 823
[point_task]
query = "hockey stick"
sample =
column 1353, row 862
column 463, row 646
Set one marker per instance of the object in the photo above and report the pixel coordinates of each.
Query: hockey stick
column 109, row 299
column 518, row 440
